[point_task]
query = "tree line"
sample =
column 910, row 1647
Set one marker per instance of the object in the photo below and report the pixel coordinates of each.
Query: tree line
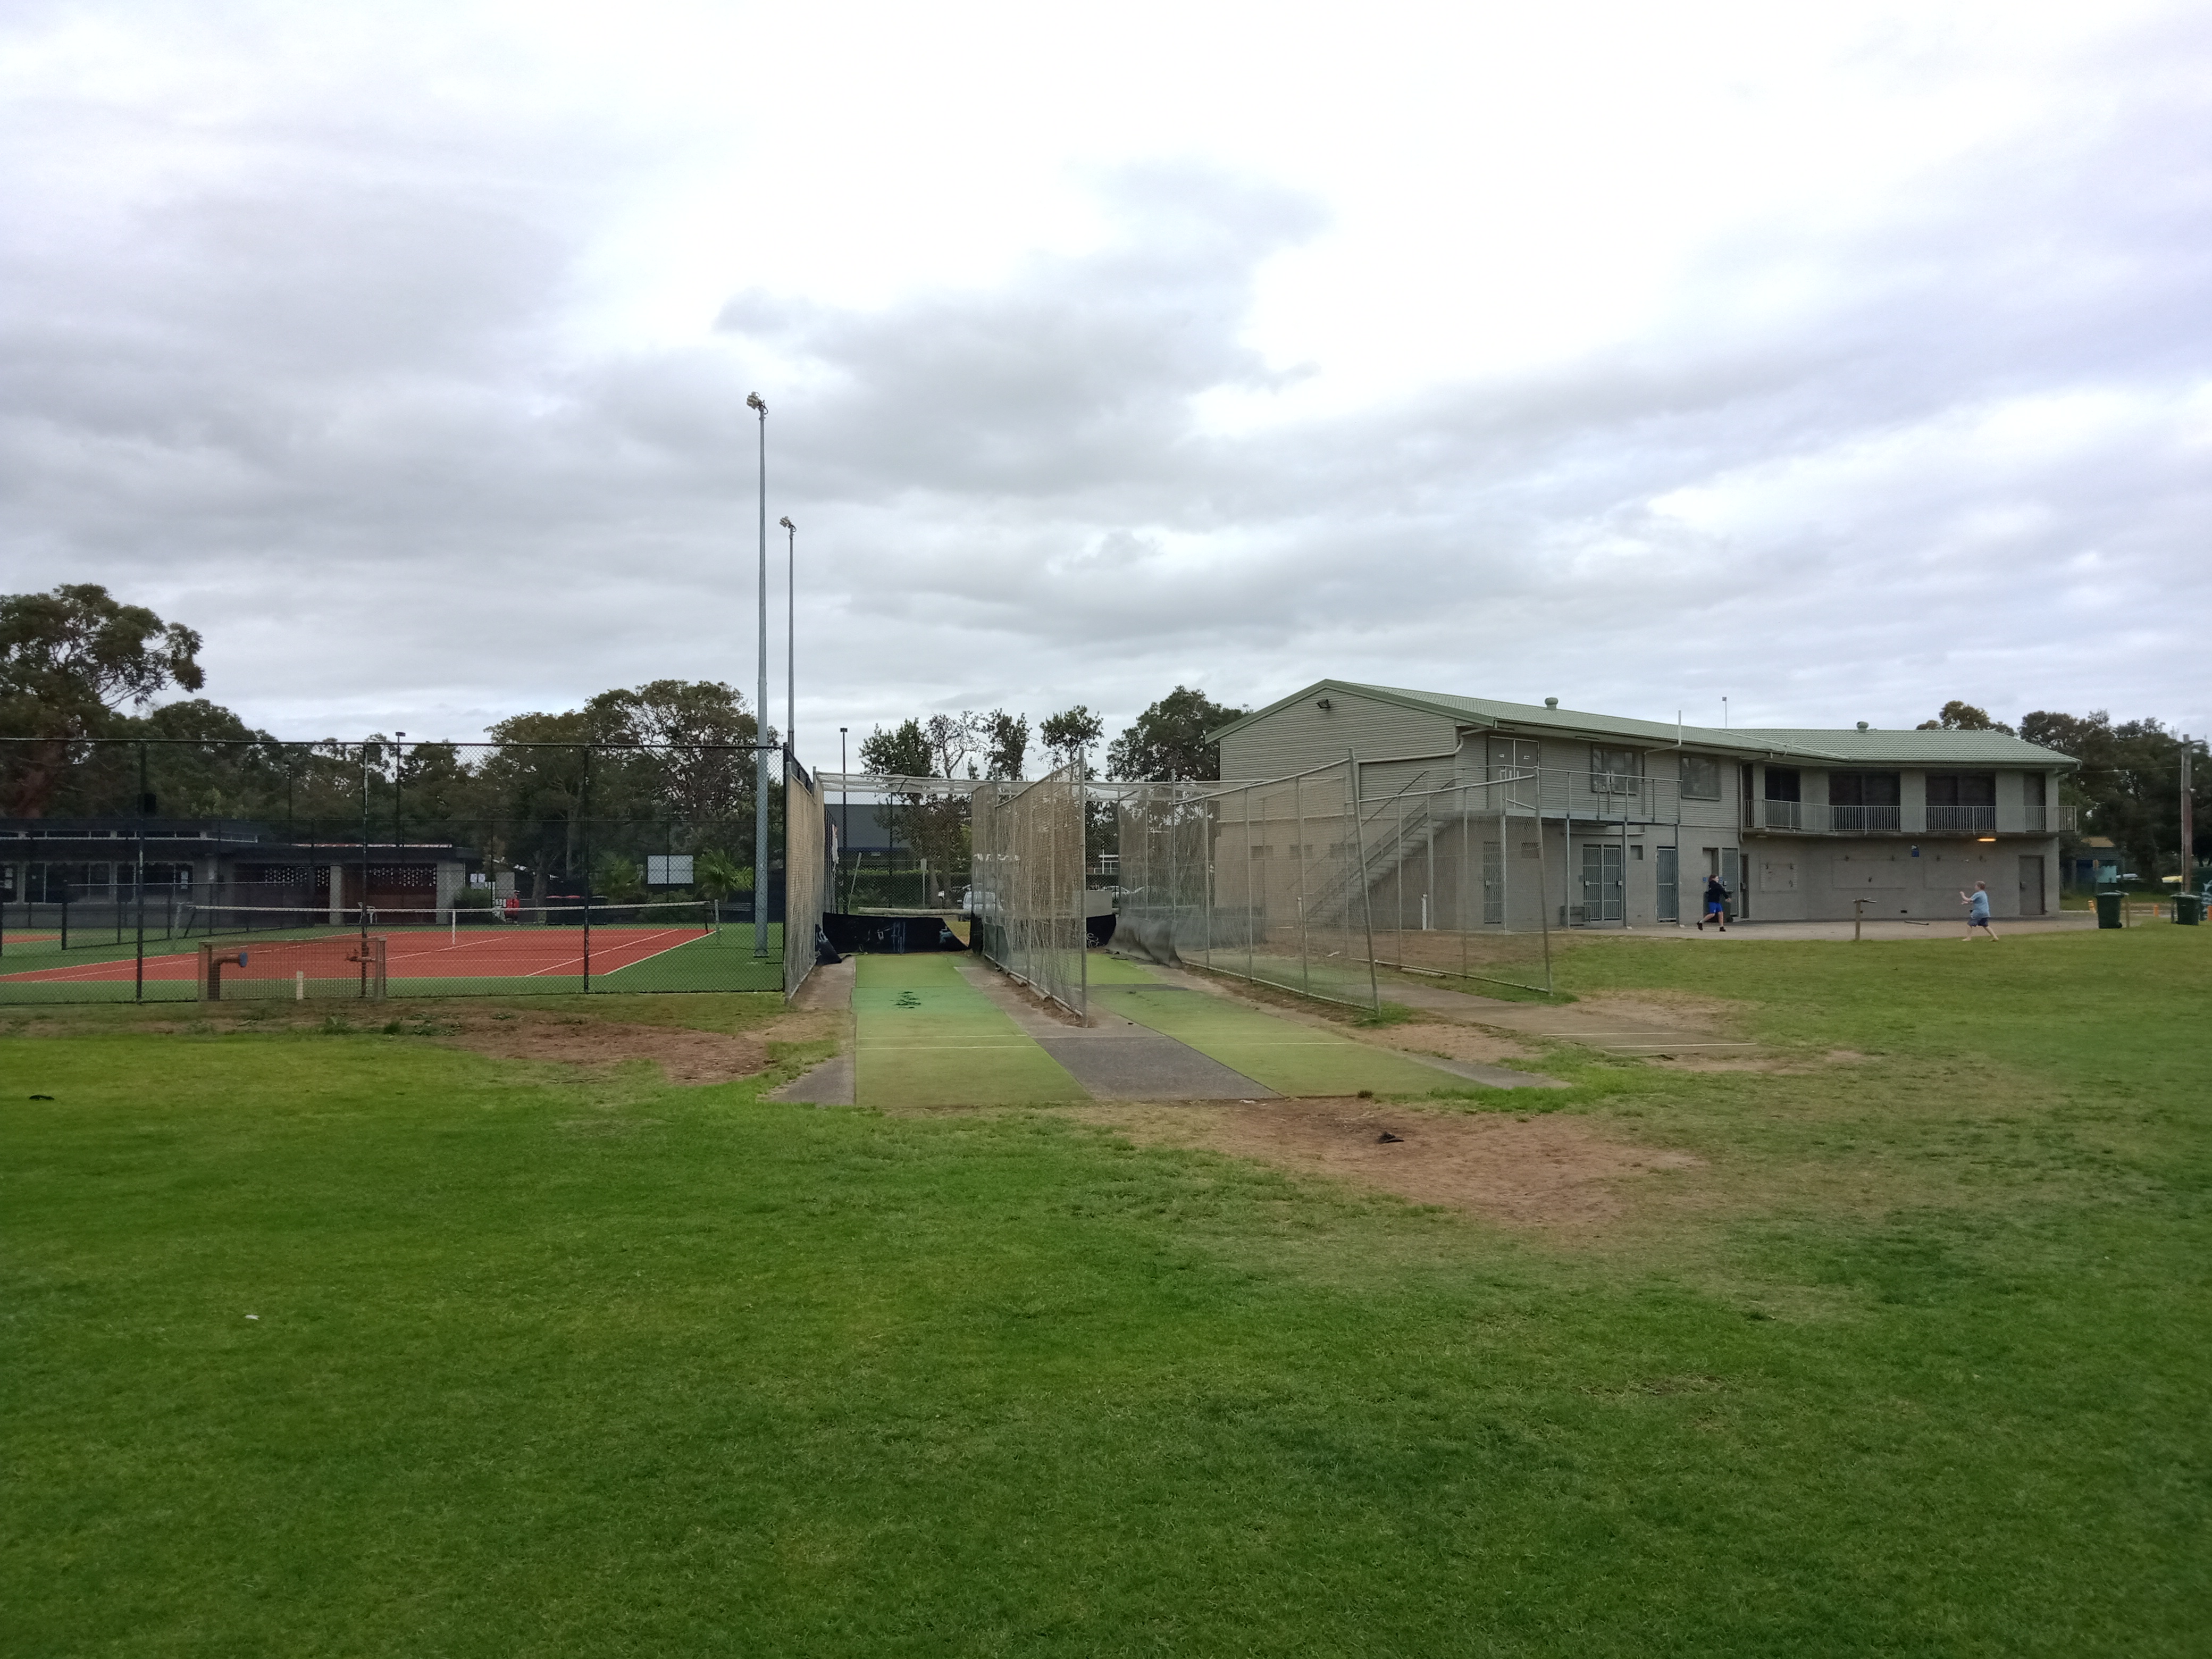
column 1168, row 743
column 2128, row 788
column 666, row 766
column 567, row 799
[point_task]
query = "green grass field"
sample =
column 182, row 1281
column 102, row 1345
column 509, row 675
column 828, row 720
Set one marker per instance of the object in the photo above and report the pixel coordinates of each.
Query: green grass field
column 552, row 1363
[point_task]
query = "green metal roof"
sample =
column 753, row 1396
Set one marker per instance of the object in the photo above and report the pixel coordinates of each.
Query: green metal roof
column 1846, row 747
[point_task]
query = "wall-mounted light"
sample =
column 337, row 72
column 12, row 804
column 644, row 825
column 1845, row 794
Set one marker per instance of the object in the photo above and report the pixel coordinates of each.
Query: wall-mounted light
column 1984, row 837
column 1324, row 705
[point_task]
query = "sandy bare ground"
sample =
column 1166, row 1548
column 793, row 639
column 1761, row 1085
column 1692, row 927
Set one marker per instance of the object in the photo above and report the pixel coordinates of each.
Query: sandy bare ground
column 1468, row 1042
column 1556, row 1173
column 683, row 1055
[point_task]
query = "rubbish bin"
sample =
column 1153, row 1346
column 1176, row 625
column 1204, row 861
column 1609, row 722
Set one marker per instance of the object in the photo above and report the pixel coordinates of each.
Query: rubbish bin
column 2188, row 908
column 2108, row 909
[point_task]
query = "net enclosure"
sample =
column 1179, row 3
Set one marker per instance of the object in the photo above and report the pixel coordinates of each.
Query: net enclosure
column 809, row 855
column 1027, row 882
column 512, row 867
column 1315, row 881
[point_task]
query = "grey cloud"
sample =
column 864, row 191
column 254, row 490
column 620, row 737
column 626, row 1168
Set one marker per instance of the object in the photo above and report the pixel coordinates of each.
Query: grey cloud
column 326, row 416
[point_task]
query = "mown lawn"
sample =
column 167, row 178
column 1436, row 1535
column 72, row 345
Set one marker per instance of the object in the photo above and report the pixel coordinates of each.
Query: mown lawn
column 551, row 1365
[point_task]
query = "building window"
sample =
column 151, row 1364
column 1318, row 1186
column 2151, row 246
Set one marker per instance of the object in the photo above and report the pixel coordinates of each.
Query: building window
column 1782, row 783
column 1863, row 789
column 1962, row 803
column 1962, row 789
column 1701, row 778
column 1863, row 800
column 1613, row 771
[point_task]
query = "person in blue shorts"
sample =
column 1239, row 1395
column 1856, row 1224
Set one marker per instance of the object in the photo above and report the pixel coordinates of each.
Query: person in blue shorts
column 1716, row 898
column 1977, row 910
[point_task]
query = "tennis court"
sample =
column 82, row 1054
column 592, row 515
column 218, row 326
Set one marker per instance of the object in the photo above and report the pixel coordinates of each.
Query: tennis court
column 440, row 961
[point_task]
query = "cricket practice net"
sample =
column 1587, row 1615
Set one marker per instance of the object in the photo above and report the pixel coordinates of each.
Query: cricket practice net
column 805, row 862
column 1315, row 881
column 1026, row 874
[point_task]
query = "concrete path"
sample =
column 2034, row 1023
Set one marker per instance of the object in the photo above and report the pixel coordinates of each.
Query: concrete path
column 829, row 1084
column 1114, row 1058
column 2067, row 921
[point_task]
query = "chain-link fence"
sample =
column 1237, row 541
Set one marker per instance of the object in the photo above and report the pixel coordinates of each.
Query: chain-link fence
column 1027, row 881
column 1312, row 882
column 509, row 867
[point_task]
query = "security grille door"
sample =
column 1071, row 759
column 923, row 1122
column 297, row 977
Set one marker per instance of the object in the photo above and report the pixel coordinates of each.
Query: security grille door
column 1509, row 755
column 1668, row 875
column 2030, row 886
column 1493, row 883
column 1732, row 878
column 1602, row 883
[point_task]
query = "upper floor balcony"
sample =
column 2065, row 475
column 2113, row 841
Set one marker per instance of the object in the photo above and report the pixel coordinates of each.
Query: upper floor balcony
column 1818, row 818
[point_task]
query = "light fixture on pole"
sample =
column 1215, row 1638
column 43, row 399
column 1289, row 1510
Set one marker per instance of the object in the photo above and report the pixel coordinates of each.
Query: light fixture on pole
column 790, row 635
column 760, row 708
column 844, row 803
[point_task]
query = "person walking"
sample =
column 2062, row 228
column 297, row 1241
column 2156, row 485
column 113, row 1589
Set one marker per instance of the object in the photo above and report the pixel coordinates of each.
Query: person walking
column 1716, row 898
column 1977, row 910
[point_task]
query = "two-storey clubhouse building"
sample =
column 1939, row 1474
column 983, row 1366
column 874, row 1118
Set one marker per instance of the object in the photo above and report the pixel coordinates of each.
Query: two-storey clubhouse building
column 1633, row 815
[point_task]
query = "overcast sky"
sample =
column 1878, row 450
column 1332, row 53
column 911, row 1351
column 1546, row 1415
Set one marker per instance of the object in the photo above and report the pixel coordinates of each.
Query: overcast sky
column 1840, row 360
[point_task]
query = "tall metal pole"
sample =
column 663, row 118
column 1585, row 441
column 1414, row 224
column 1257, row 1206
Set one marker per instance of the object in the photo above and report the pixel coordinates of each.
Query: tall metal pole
column 138, row 972
column 790, row 638
column 844, row 804
column 2188, row 822
column 760, row 708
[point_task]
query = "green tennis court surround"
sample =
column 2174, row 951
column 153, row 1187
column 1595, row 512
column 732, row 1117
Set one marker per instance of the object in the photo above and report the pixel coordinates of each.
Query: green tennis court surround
column 923, row 1037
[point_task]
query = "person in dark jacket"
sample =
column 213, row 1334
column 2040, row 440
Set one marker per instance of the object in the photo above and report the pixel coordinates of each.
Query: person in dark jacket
column 1716, row 898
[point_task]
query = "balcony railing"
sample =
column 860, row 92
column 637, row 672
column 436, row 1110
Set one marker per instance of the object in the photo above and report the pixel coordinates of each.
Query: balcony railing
column 1962, row 820
column 1815, row 817
column 1864, row 820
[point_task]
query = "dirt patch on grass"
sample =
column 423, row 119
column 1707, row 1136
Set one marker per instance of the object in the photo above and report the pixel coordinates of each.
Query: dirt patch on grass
column 1790, row 1066
column 1469, row 1042
column 1681, row 1011
column 1551, row 1172
column 683, row 1055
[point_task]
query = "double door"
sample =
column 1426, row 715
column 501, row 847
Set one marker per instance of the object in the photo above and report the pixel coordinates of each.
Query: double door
column 1605, row 883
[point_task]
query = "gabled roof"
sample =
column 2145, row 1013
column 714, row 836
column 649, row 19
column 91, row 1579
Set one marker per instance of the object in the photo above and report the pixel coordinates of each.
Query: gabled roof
column 1834, row 748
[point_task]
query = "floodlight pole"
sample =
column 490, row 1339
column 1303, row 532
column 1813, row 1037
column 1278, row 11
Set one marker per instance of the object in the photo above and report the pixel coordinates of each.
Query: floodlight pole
column 760, row 708
column 790, row 635
column 844, row 804
column 2188, row 823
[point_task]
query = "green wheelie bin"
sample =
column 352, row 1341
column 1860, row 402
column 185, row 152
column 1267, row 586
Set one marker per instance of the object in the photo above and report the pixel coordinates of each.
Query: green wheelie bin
column 2108, row 907
column 2189, row 909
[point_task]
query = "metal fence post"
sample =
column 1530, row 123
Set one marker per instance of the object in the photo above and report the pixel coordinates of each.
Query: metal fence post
column 363, row 906
column 586, row 811
column 138, row 885
column 1359, row 856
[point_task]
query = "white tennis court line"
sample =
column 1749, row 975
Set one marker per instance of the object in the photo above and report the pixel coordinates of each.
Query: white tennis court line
column 577, row 961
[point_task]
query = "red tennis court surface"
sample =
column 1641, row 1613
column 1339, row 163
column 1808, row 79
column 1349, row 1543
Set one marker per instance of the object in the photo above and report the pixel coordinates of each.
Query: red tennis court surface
column 521, row 954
